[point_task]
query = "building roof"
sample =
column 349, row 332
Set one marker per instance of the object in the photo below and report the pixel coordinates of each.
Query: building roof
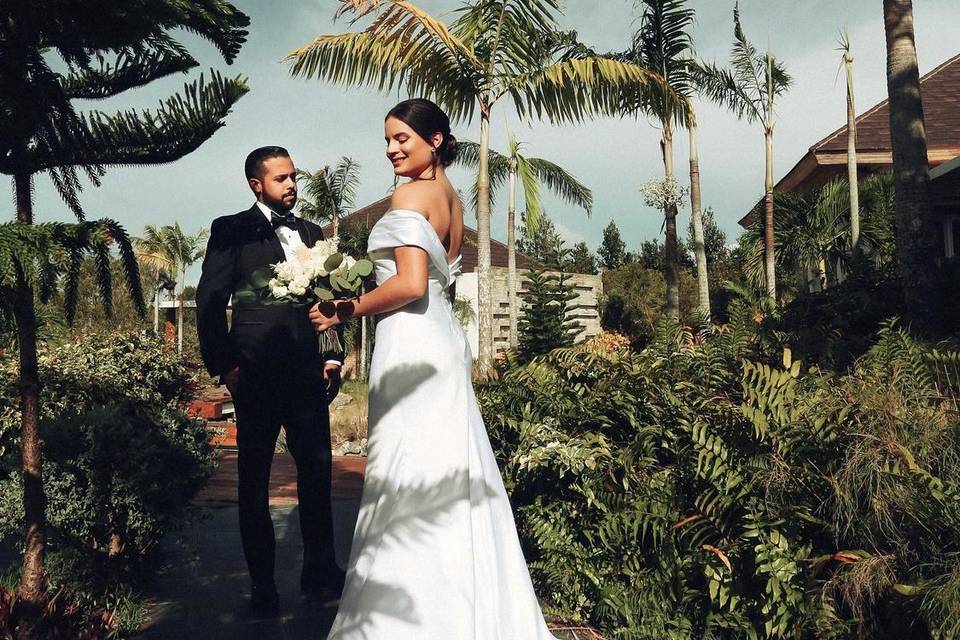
column 498, row 251
column 945, row 186
column 940, row 93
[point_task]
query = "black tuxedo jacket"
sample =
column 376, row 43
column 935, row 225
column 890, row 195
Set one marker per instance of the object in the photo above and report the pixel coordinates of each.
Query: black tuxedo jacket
column 264, row 337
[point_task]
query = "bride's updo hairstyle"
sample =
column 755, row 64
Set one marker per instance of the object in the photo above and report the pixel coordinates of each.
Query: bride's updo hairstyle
column 426, row 119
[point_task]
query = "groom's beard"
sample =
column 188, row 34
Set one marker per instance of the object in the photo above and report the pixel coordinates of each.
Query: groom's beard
column 279, row 206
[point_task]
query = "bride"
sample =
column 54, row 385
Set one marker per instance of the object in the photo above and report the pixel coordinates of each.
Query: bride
column 435, row 553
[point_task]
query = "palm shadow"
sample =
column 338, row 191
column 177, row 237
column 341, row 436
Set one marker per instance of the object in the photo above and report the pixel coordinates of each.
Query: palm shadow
column 405, row 518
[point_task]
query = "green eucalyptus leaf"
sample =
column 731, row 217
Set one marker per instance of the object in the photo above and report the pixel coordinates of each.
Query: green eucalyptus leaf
column 362, row 268
column 333, row 261
column 260, row 279
column 323, row 294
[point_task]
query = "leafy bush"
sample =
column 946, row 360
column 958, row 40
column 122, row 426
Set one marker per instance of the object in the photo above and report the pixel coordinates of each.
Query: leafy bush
column 703, row 489
column 122, row 459
column 633, row 298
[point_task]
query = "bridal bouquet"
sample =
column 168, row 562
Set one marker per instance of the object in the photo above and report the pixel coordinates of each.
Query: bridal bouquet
column 316, row 273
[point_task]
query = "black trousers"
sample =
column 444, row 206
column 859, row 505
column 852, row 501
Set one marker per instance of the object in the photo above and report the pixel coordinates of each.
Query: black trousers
column 298, row 403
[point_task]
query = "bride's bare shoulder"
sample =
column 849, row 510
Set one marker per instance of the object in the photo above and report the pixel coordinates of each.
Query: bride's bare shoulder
column 419, row 196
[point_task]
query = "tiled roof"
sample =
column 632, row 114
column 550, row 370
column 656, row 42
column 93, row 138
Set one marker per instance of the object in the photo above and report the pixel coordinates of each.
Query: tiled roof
column 498, row 251
column 940, row 92
column 941, row 114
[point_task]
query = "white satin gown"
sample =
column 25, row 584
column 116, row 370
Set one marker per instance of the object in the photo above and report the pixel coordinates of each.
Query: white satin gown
column 435, row 553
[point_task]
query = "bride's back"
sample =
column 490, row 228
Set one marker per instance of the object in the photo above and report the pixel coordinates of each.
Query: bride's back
column 439, row 203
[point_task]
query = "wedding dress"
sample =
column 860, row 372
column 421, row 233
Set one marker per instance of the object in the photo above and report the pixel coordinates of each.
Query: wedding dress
column 435, row 553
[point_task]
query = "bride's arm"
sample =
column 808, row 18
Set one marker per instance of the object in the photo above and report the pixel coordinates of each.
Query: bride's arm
column 408, row 285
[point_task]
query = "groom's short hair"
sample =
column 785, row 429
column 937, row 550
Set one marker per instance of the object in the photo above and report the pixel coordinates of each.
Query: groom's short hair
column 257, row 157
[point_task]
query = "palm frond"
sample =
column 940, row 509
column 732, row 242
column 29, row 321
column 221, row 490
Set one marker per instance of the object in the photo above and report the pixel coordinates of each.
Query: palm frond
column 721, row 86
column 562, row 183
column 572, row 89
column 533, row 207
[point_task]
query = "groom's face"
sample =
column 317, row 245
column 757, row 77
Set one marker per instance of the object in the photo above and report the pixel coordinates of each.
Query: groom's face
column 276, row 185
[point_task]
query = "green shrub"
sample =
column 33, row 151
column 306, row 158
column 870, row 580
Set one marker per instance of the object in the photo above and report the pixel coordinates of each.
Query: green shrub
column 702, row 489
column 122, row 460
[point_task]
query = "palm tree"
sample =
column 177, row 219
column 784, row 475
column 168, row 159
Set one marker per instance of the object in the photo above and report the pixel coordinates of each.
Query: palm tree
column 915, row 240
column 168, row 249
column 852, row 178
column 531, row 173
column 663, row 44
column 329, row 193
column 813, row 232
column 750, row 89
column 41, row 131
column 494, row 49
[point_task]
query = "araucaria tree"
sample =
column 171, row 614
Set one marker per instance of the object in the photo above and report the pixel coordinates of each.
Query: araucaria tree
column 494, row 49
column 104, row 51
column 750, row 89
column 531, row 173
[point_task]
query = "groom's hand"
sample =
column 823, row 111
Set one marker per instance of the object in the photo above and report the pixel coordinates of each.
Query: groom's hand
column 331, row 376
column 231, row 379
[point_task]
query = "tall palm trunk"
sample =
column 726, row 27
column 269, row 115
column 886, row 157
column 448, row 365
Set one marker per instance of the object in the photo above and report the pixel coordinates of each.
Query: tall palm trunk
column 512, row 255
column 484, row 294
column 183, row 275
column 671, row 267
column 822, row 269
column 156, row 310
column 32, row 591
column 770, row 262
column 703, row 282
column 852, row 157
column 915, row 240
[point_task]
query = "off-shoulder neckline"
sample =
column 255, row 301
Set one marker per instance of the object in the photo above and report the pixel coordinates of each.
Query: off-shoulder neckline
column 436, row 235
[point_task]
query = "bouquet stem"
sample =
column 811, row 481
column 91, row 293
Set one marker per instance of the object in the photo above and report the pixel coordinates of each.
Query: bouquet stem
column 330, row 341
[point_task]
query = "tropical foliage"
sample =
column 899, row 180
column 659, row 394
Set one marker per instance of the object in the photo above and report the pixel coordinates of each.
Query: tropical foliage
column 814, row 234
column 329, row 193
column 750, row 89
column 531, row 173
column 712, row 486
column 101, row 53
column 122, row 461
column 167, row 250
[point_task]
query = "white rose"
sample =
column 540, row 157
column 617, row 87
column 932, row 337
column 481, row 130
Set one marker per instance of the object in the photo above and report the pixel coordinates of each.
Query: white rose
column 296, row 289
column 279, row 291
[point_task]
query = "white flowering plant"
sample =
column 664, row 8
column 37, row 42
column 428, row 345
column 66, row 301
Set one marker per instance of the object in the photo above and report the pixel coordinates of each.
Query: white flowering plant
column 314, row 274
column 661, row 194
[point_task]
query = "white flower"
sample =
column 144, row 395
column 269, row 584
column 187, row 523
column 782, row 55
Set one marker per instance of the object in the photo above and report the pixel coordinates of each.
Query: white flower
column 279, row 291
column 296, row 289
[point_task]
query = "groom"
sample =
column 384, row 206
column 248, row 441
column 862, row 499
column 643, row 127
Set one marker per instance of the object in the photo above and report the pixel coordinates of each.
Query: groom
column 270, row 362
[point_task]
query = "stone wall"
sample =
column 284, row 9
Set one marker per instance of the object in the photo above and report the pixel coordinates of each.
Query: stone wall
column 585, row 308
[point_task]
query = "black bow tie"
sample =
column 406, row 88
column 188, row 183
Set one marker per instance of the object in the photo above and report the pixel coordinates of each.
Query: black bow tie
column 285, row 220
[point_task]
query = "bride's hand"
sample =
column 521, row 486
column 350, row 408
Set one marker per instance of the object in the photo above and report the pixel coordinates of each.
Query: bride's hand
column 328, row 314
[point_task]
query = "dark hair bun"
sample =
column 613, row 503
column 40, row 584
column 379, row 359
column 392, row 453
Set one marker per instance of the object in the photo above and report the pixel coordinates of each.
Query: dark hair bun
column 447, row 152
column 426, row 118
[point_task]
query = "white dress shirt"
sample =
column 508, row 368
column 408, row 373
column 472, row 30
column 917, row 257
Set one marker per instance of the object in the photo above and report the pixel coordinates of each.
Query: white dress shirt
column 290, row 241
column 289, row 238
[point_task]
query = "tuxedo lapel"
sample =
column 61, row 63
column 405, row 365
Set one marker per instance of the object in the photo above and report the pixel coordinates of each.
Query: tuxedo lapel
column 306, row 235
column 264, row 231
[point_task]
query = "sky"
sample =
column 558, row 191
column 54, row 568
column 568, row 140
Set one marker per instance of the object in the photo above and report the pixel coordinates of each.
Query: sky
column 319, row 122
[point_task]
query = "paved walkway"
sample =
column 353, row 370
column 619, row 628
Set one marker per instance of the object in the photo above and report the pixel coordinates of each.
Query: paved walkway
column 201, row 588
column 200, row 591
